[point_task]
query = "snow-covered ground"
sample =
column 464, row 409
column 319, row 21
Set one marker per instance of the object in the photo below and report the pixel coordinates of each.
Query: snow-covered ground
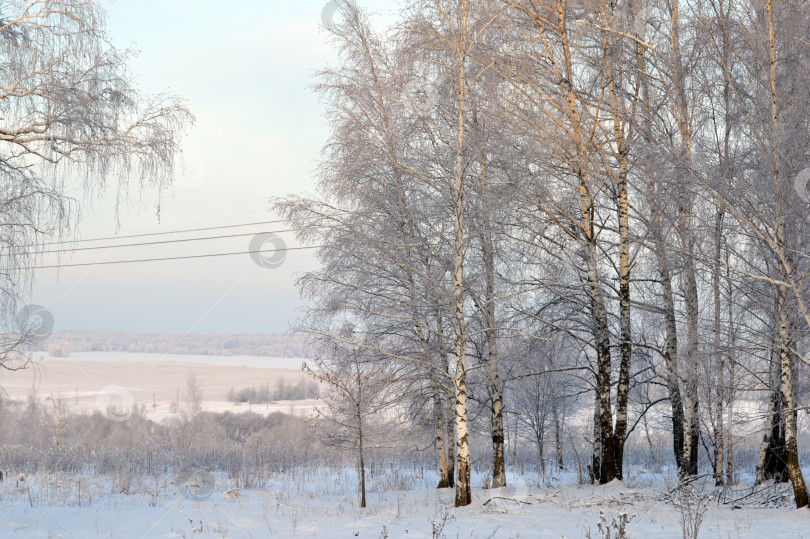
column 323, row 503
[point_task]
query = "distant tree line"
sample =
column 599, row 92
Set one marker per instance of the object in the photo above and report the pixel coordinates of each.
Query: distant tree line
column 204, row 344
column 281, row 390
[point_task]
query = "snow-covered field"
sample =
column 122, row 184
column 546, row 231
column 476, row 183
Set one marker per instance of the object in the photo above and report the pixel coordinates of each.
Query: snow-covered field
column 323, row 503
column 154, row 380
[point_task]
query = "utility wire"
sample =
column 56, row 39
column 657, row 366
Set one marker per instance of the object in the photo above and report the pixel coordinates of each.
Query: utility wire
column 211, row 255
column 161, row 242
column 157, row 233
column 204, row 229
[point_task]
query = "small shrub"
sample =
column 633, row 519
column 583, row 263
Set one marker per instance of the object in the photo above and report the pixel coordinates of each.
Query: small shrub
column 615, row 529
column 692, row 503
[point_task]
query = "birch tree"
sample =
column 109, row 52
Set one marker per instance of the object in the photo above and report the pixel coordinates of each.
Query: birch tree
column 70, row 115
column 776, row 118
column 354, row 409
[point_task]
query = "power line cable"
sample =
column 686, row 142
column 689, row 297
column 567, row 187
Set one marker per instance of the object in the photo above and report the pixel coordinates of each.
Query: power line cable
column 210, row 255
column 163, row 233
column 166, row 232
column 162, row 242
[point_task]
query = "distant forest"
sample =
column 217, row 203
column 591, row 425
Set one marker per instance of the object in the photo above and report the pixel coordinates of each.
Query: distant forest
column 206, row 344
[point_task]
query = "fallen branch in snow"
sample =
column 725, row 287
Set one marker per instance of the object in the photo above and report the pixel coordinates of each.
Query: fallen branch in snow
column 769, row 495
column 508, row 499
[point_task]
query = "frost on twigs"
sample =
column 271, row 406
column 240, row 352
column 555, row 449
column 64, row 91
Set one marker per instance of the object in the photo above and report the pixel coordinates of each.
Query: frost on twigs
column 691, row 499
column 765, row 495
column 619, row 500
column 615, row 529
column 73, row 127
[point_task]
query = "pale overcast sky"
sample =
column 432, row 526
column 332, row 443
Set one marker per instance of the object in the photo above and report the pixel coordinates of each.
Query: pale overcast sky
column 246, row 70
